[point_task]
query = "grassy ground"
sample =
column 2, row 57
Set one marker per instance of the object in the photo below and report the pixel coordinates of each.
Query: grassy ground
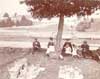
column 90, row 68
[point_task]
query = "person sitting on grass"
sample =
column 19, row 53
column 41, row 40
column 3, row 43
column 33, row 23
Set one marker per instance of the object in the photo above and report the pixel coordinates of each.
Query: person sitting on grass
column 36, row 45
column 97, row 54
column 50, row 47
column 85, row 49
column 86, row 52
column 66, row 50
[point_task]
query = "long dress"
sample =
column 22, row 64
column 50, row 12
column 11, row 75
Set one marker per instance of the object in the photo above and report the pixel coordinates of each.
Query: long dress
column 50, row 48
column 74, row 53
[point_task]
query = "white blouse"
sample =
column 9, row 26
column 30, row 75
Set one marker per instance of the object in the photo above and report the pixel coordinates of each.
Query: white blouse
column 68, row 50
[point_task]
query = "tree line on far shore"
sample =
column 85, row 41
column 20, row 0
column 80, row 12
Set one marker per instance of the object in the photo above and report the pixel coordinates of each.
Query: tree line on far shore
column 7, row 21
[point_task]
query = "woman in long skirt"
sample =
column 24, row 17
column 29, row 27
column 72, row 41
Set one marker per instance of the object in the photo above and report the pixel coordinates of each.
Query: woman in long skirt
column 51, row 48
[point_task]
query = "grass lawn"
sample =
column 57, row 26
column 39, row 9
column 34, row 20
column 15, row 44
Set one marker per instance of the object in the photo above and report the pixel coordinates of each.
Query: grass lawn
column 89, row 68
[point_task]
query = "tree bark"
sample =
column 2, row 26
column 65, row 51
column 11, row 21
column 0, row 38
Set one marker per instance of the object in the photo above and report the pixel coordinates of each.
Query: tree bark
column 59, row 34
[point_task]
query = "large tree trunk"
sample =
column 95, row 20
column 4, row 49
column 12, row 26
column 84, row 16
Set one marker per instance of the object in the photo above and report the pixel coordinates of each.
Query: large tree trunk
column 59, row 34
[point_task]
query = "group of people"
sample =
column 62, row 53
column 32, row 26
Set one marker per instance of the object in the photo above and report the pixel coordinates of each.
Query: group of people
column 71, row 49
column 68, row 49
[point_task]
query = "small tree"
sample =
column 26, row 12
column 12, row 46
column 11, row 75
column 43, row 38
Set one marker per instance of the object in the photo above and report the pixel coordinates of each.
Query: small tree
column 25, row 21
column 60, row 8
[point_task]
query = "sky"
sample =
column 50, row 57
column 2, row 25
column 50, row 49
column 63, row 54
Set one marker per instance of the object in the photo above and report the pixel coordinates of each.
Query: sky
column 12, row 6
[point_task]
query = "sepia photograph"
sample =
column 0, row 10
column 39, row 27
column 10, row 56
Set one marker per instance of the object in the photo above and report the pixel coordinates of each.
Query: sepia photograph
column 49, row 39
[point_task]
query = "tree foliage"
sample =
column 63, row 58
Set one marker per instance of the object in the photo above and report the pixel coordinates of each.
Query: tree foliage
column 51, row 8
column 24, row 22
column 7, row 22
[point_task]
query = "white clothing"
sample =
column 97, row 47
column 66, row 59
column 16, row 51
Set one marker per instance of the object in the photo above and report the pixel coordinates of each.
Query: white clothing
column 74, row 51
column 50, row 49
column 68, row 50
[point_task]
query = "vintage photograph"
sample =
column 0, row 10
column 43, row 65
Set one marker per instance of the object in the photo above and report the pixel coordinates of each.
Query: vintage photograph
column 49, row 39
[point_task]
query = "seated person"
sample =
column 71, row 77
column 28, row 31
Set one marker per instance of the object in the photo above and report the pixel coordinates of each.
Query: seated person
column 66, row 50
column 98, row 51
column 69, row 43
column 36, row 45
column 85, row 50
column 50, row 47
